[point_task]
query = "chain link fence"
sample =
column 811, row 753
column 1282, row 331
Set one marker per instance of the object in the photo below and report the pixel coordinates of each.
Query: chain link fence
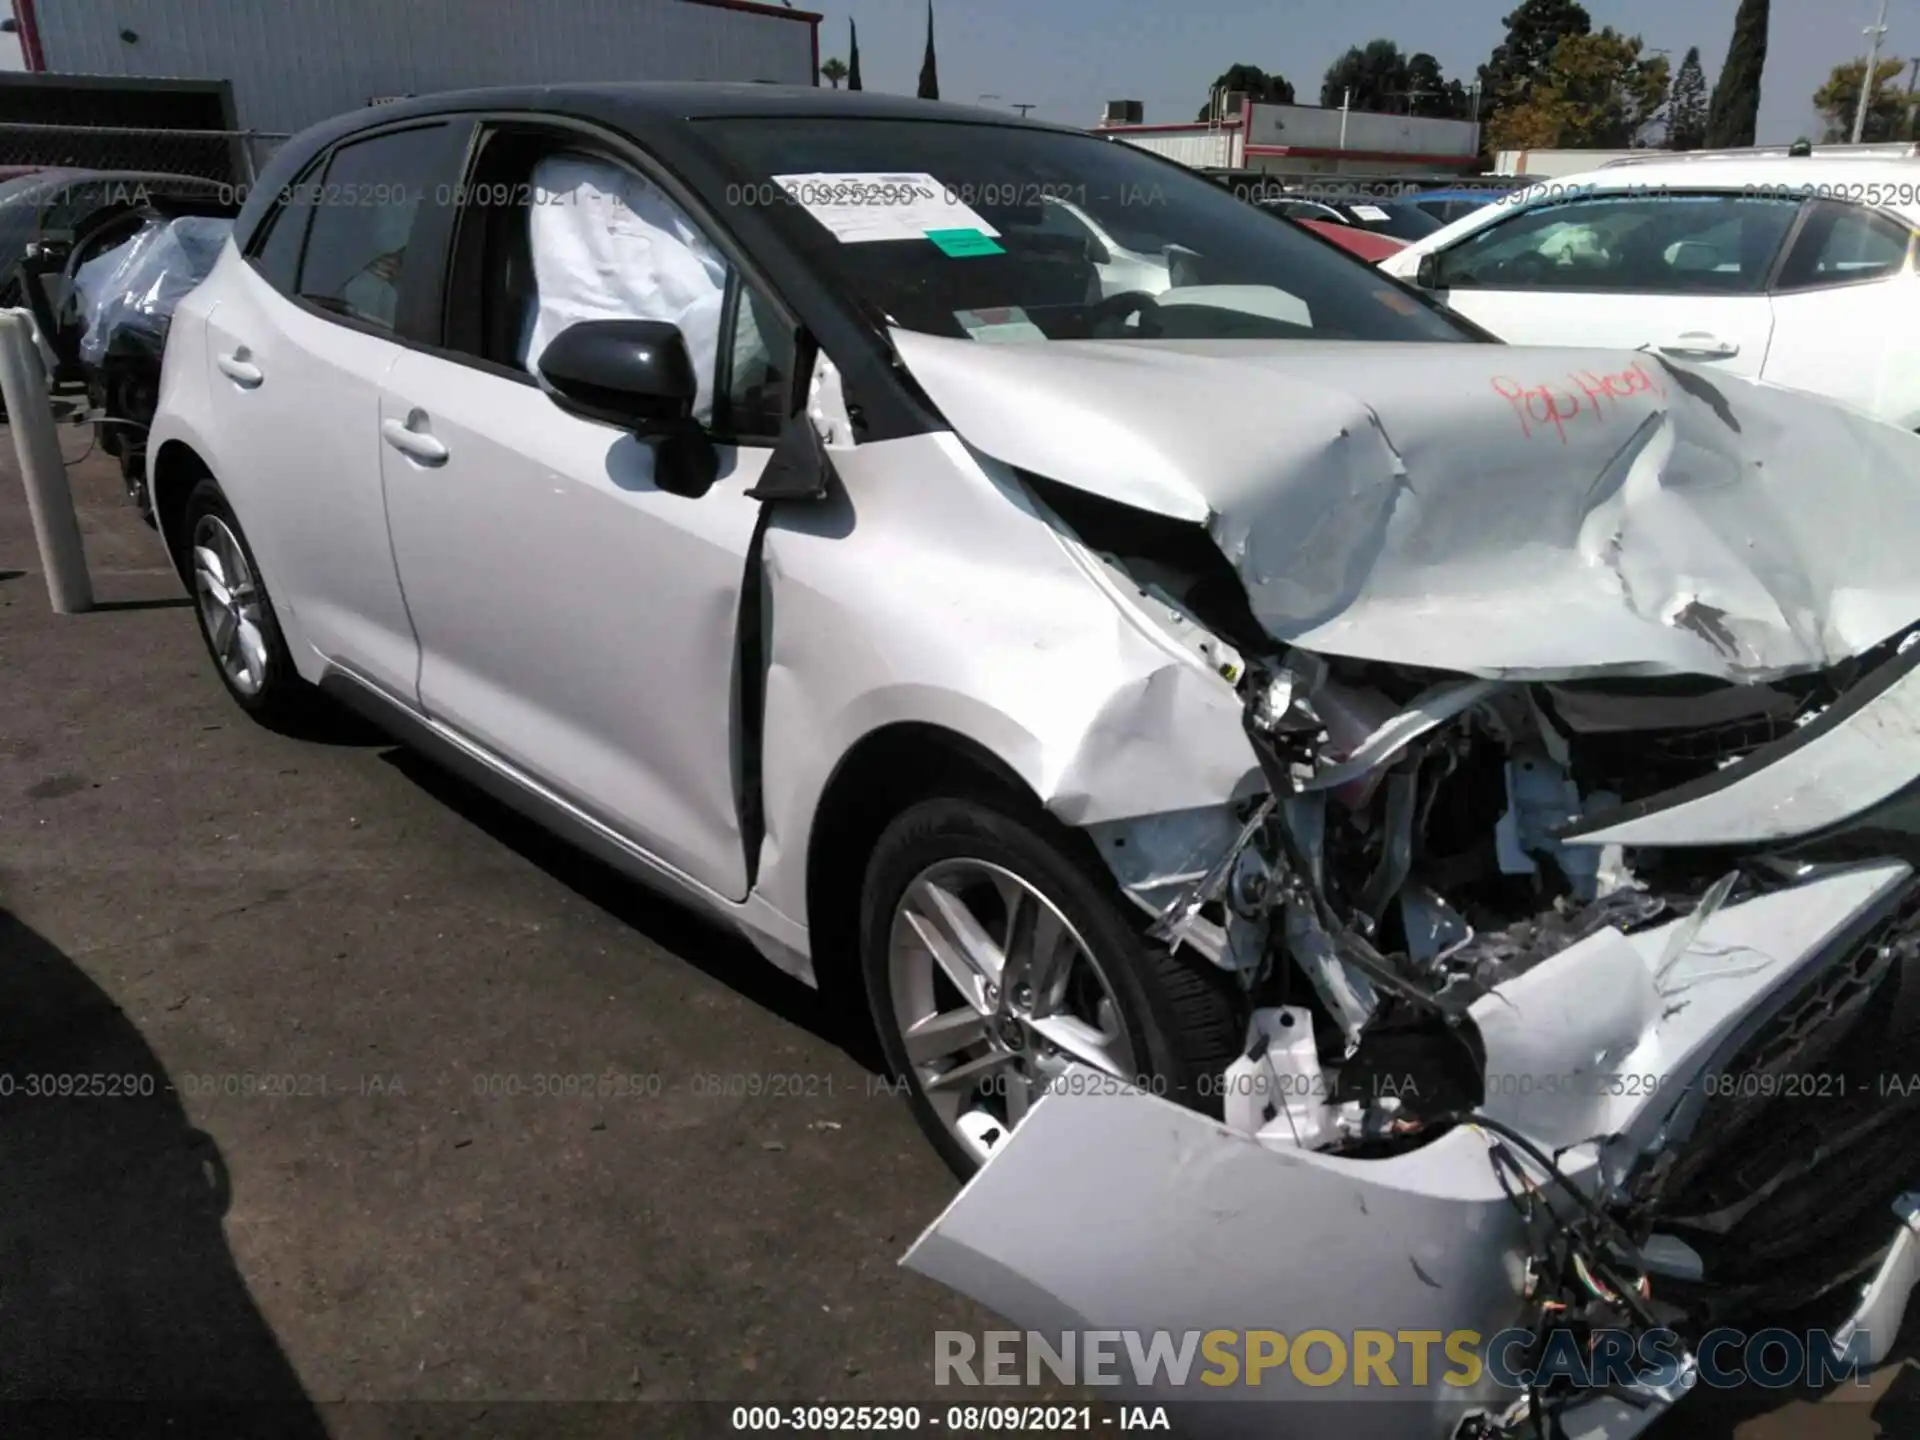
column 231, row 157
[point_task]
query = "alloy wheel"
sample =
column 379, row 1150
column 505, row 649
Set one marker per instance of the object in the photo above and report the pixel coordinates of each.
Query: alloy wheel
column 996, row 997
column 229, row 600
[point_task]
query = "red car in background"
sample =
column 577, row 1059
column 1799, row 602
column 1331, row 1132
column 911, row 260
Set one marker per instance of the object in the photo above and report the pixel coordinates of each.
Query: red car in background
column 1370, row 245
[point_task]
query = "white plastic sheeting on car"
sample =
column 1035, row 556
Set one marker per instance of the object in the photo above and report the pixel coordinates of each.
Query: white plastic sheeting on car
column 608, row 245
column 135, row 285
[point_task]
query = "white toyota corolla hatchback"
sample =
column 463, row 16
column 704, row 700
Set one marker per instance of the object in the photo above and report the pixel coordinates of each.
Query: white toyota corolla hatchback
column 1274, row 761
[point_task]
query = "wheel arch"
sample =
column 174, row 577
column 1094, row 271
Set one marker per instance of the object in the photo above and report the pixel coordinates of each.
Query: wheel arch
column 881, row 775
column 172, row 472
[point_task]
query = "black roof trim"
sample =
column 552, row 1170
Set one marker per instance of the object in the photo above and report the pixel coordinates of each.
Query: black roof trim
column 634, row 108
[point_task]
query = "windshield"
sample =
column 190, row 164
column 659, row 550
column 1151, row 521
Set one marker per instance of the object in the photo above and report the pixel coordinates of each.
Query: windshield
column 1005, row 234
column 1402, row 219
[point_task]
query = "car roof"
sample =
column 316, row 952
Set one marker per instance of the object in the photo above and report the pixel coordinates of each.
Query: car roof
column 1735, row 172
column 642, row 104
column 632, row 107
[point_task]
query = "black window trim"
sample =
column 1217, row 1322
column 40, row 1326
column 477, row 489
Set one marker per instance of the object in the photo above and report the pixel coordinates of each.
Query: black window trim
column 622, row 149
column 1801, row 221
column 315, row 170
column 1587, row 198
column 262, row 232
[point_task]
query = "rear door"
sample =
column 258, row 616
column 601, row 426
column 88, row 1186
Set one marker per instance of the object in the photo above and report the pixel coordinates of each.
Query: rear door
column 1846, row 312
column 1683, row 275
column 298, row 344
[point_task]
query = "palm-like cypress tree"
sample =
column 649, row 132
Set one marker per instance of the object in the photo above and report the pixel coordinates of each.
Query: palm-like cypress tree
column 929, row 72
column 1735, row 108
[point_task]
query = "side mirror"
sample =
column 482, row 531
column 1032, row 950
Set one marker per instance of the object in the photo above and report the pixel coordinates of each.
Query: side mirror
column 1183, row 266
column 632, row 373
column 635, row 374
column 1427, row 274
column 1098, row 254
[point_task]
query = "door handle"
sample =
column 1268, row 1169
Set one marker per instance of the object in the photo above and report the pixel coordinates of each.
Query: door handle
column 237, row 368
column 416, row 443
column 1698, row 345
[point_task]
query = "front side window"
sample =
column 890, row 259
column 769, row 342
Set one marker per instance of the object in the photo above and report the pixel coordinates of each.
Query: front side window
column 364, row 208
column 1844, row 244
column 1662, row 243
column 955, row 229
column 559, row 235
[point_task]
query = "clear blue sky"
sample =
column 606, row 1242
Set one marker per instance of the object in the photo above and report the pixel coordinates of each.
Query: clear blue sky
column 1068, row 56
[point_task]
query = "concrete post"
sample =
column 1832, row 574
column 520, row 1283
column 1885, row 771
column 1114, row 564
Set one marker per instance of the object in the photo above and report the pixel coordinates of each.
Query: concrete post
column 36, row 443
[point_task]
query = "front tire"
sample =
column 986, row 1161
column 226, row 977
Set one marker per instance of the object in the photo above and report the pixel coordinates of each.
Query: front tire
column 236, row 614
column 996, row 954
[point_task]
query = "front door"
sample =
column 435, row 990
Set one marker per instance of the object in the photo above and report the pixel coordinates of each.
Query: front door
column 1678, row 275
column 574, row 618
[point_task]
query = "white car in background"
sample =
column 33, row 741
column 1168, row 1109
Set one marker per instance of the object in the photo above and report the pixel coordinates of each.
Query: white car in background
column 1793, row 271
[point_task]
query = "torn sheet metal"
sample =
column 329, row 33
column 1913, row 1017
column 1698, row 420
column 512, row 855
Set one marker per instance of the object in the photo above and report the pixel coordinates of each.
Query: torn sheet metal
column 1183, row 1223
column 1861, row 753
column 1538, row 513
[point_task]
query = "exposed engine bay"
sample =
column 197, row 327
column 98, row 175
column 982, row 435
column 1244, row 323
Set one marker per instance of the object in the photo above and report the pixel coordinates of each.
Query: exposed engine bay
column 1428, row 841
column 1571, row 705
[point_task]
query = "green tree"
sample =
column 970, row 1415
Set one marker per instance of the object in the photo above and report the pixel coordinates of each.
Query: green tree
column 1598, row 91
column 1734, row 110
column 1687, row 113
column 833, row 70
column 1369, row 77
column 929, row 71
column 853, row 55
column 1534, row 29
column 1431, row 94
column 1256, row 83
column 1840, row 96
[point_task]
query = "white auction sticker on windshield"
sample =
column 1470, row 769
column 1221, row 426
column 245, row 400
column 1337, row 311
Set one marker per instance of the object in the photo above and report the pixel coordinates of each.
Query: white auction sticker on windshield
column 1371, row 212
column 862, row 207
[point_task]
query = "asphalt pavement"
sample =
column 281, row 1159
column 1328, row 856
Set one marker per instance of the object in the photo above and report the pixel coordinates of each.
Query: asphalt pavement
column 388, row 1099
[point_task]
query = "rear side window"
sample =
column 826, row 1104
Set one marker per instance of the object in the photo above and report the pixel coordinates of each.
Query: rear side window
column 364, row 211
column 1843, row 244
column 1659, row 243
column 276, row 255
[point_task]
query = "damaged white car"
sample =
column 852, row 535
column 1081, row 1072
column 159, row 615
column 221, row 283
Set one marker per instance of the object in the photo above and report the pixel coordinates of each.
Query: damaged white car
column 1427, row 822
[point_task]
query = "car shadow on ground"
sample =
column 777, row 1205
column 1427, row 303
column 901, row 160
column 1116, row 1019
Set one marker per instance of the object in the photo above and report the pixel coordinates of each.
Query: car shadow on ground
column 835, row 1016
column 118, row 1294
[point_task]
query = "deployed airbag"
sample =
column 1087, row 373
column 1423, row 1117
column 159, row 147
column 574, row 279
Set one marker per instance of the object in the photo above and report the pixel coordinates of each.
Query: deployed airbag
column 608, row 245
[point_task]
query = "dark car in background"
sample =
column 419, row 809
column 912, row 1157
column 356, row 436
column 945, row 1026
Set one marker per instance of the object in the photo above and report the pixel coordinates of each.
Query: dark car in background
column 1396, row 216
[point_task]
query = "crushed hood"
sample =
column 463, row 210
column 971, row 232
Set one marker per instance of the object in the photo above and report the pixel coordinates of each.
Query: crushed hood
column 1492, row 510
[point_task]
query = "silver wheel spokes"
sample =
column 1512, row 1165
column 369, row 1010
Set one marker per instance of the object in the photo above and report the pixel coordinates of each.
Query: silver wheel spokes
column 229, row 604
column 996, row 996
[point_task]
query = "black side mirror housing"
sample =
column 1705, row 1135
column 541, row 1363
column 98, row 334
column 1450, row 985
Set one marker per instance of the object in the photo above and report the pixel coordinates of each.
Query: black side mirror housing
column 636, row 374
column 1427, row 274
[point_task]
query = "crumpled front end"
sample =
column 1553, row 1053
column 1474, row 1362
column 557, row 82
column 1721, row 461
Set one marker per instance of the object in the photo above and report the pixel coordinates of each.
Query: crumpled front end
column 1577, row 923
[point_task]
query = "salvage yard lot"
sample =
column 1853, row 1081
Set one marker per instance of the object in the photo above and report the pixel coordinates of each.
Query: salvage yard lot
column 342, row 988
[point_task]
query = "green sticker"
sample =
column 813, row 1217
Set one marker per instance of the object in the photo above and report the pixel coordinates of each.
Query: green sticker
column 961, row 243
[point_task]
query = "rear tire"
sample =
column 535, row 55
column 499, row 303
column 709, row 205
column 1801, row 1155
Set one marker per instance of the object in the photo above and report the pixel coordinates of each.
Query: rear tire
column 1090, row 978
column 236, row 616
